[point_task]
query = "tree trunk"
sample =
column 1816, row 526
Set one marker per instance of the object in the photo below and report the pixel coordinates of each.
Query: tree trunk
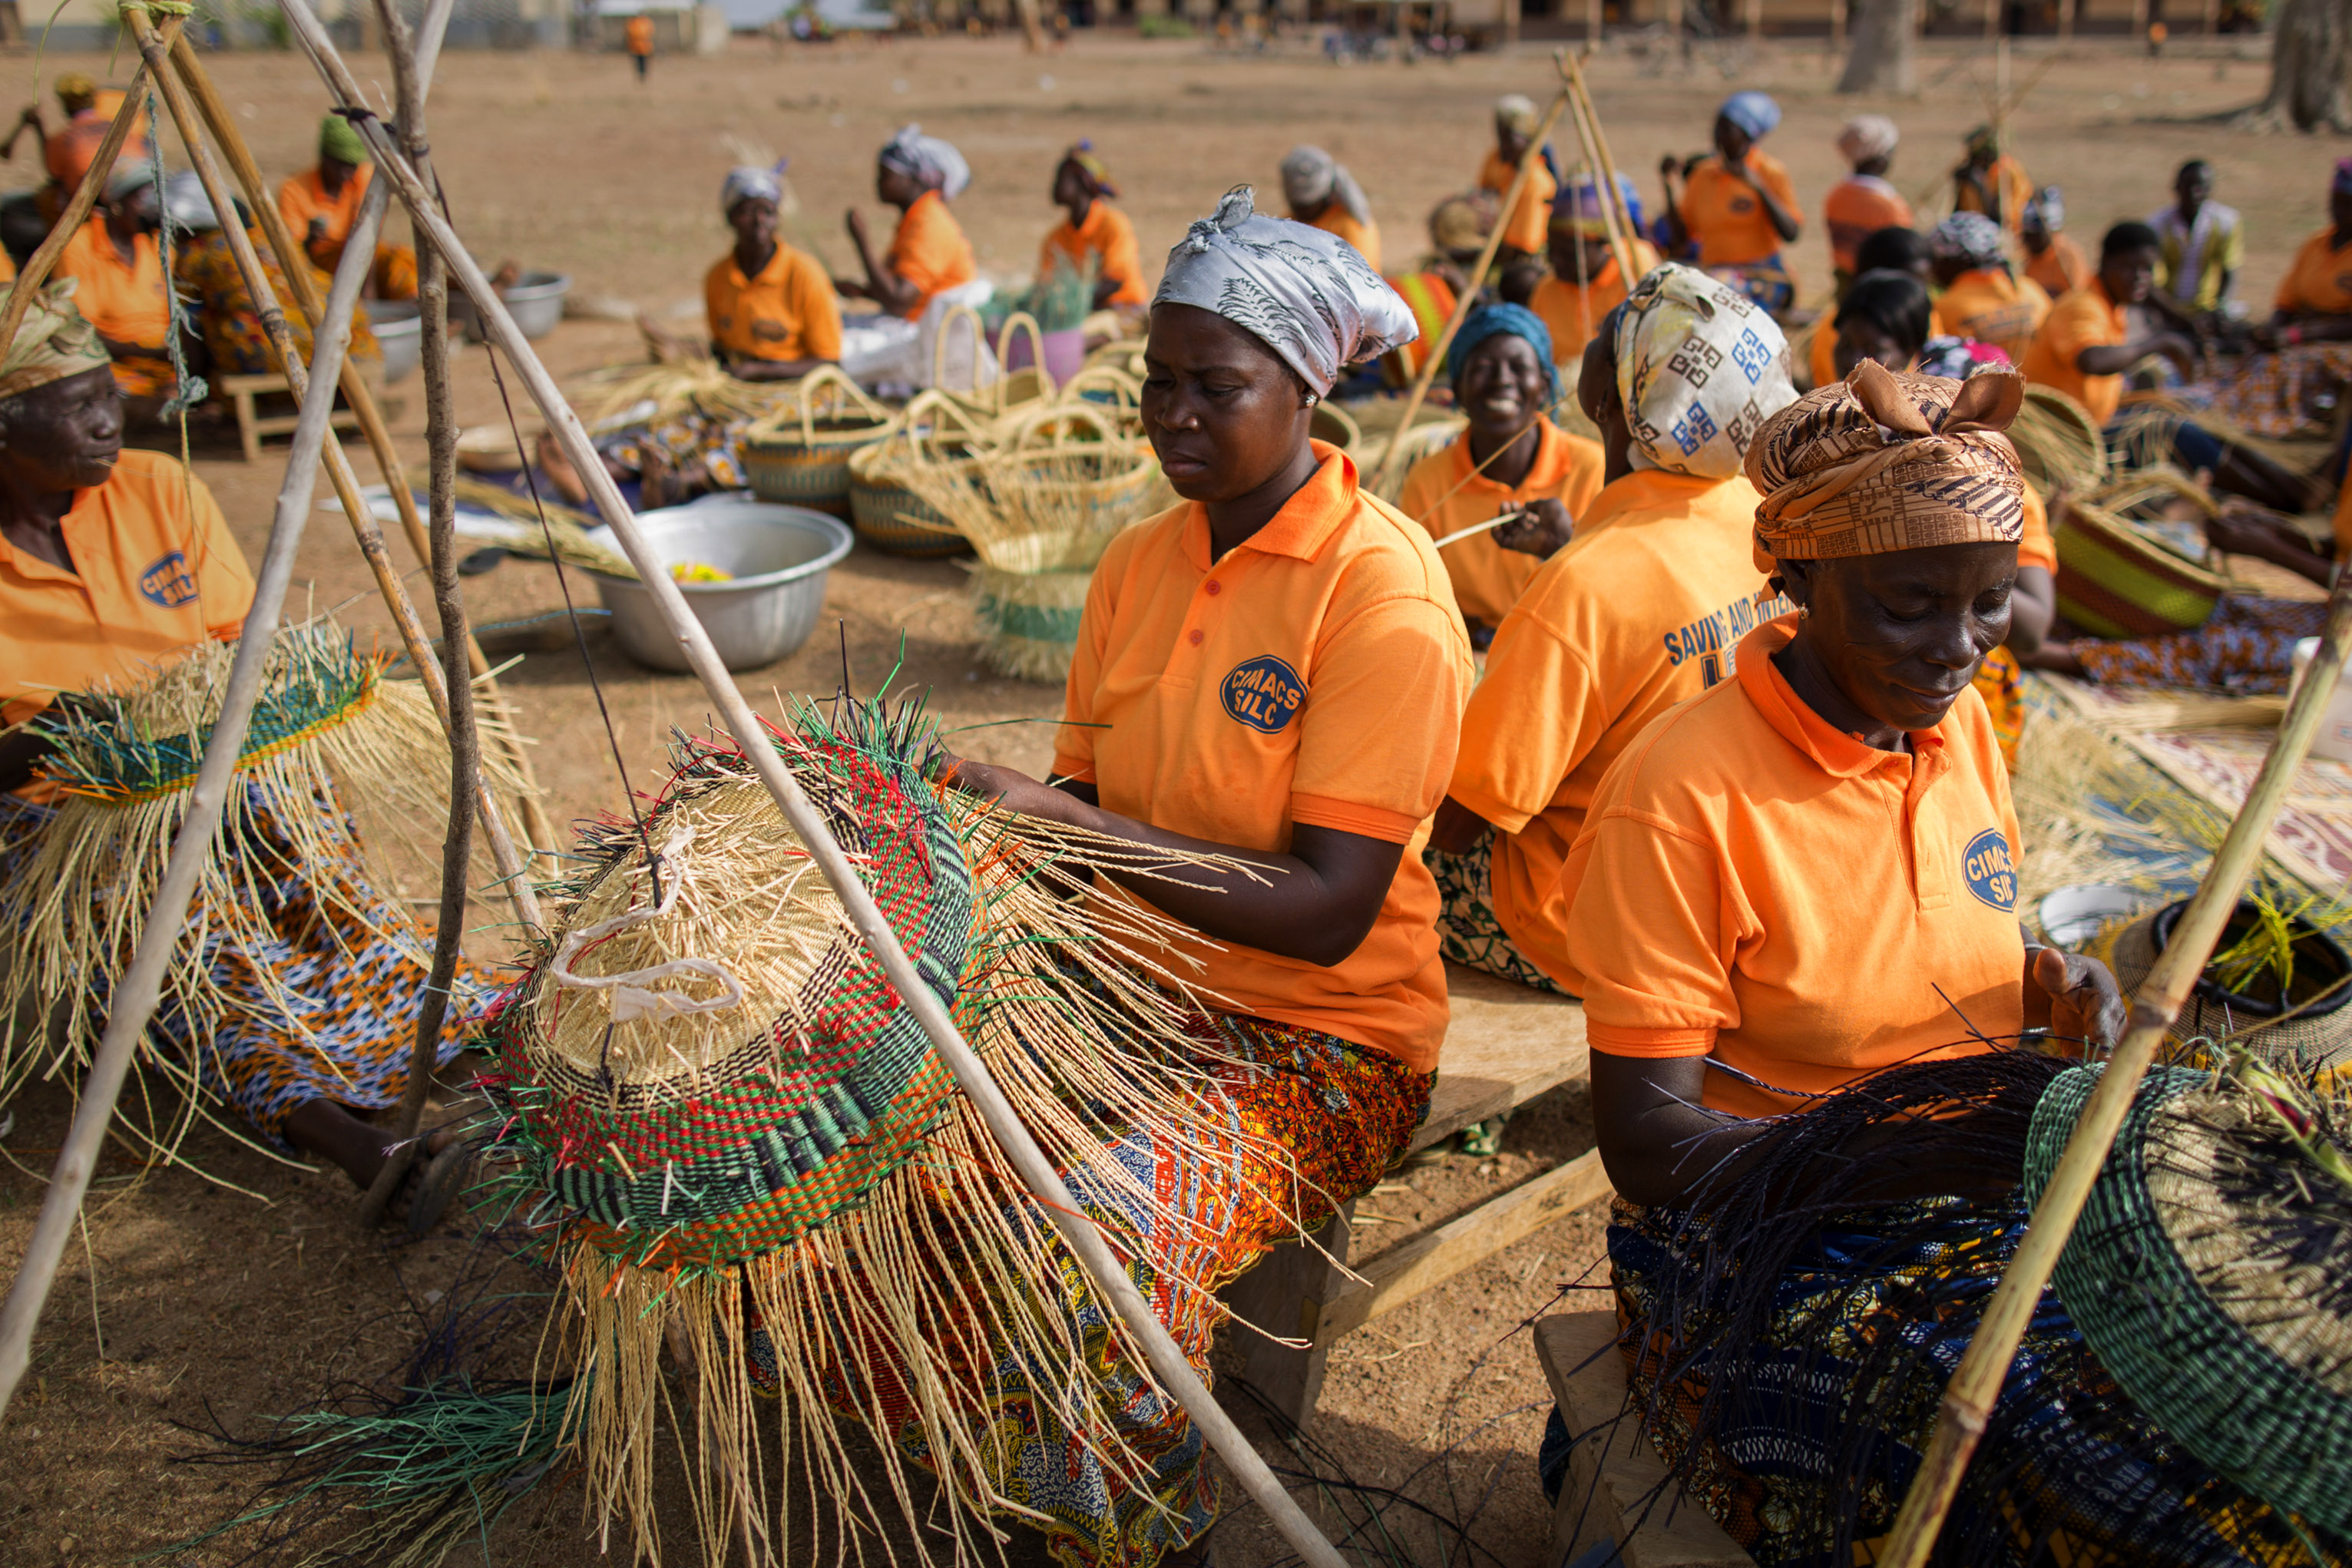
column 2307, row 66
column 1884, row 34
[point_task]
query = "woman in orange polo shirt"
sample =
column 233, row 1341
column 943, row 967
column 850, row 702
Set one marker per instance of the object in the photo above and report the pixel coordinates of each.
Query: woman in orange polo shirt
column 1738, row 206
column 771, row 309
column 1983, row 296
column 928, row 255
column 1585, row 283
column 1525, row 225
column 1323, row 194
column 1095, row 233
column 1270, row 674
column 1804, row 878
column 117, row 264
column 321, row 205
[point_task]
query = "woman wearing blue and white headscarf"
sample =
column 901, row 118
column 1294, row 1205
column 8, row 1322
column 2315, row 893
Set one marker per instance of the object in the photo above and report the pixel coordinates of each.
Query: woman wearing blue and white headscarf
column 1268, row 676
column 1738, row 206
column 927, row 271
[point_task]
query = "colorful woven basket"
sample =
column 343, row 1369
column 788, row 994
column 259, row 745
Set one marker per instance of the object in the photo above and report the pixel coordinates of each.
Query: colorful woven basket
column 2314, row 1030
column 799, row 454
column 1029, row 620
column 2116, row 579
column 889, row 516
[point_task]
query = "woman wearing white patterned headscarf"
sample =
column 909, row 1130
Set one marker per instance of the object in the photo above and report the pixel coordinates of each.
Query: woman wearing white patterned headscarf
column 1323, row 194
column 1269, row 675
column 927, row 271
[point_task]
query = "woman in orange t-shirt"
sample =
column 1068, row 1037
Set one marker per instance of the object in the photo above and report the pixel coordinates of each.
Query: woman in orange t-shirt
column 1263, row 708
column 117, row 264
column 1095, row 233
column 1738, row 206
column 919, row 176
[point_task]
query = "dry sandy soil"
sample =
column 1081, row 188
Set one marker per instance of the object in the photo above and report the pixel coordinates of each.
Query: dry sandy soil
column 190, row 1301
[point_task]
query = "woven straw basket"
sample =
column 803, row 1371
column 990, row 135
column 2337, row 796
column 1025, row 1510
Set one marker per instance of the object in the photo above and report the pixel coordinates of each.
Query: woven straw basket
column 2058, row 442
column 2317, row 1036
column 801, row 457
column 890, row 517
column 2116, row 580
column 1029, row 620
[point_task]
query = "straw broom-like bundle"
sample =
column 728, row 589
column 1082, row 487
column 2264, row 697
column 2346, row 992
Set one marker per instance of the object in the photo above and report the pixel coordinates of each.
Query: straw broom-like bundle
column 566, row 527
column 2059, row 442
column 688, row 386
column 330, row 742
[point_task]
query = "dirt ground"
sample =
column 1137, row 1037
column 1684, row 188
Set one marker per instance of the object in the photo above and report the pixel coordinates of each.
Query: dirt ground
column 190, row 1302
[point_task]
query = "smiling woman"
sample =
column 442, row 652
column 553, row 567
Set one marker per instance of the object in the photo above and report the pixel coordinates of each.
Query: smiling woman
column 1270, row 675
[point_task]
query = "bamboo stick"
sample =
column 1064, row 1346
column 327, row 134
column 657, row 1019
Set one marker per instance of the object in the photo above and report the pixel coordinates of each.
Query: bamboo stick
column 37, row 268
column 135, row 999
column 1604, row 183
column 1169, row 1368
column 1969, row 1398
column 1583, row 91
column 1462, row 307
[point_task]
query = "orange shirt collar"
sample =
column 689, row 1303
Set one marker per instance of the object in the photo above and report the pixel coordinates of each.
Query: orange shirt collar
column 1835, row 751
column 1548, row 470
column 1305, row 522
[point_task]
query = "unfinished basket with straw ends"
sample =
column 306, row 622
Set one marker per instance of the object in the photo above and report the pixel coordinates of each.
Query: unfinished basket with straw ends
column 1029, row 620
column 799, row 454
column 892, row 517
column 2118, row 579
column 2288, row 1003
column 2058, row 442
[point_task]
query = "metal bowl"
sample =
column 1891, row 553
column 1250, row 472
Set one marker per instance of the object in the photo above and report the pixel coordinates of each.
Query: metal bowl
column 536, row 303
column 400, row 332
column 779, row 556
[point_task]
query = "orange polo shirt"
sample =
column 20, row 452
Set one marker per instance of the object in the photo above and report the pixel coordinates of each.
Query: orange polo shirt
column 1756, row 887
column 2086, row 319
column 1108, row 237
column 1857, row 207
column 1442, row 495
column 2061, row 268
column 124, row 302
column 1644, row 608
column 1574, row 314
column 787, row 312
column 929, row 250
column 1995, row 308
column 1527, row 226
column 154, row 571
column 1315, row 675
column 1725, row 217
column 2320, row 280
column 1364, row 236
column 304, row 197
column 2008, row 181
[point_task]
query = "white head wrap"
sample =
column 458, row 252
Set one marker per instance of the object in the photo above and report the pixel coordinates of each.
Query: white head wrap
column 1310, row 176
column 1305, row 294
column 1516, row 112
column 186, row 204
column 1867, row 136
column 935, row 162
column 746, row 181
column 1700, row 367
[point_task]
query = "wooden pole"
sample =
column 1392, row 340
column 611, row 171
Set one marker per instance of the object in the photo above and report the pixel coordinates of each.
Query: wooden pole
column 2066, row 22
column 1590, row 110
column 1969, row 1398
column 35, row 270
column 1604, row 182
column 295, row 264
column 1755, row 9
column 1436, row 354
column 1837, row 27
column 1169, row 1368
column 135, row 998
column 1593, row 24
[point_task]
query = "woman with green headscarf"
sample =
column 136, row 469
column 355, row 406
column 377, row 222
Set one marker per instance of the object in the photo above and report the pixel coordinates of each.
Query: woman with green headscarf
column 321, row 205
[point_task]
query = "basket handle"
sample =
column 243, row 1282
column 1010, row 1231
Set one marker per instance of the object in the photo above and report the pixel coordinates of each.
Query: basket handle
column 832, row 378
column 940, row 344
column 1012, row 323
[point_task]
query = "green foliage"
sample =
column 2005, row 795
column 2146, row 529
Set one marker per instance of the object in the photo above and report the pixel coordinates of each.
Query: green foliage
column 1162, row 27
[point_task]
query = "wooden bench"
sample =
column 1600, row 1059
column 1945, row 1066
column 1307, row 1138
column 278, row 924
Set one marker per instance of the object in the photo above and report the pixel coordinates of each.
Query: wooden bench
column 252, row 425
column 1505, row 1044
column 1615, row 1474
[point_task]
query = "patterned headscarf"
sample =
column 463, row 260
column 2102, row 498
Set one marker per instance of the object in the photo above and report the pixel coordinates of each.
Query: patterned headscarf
column 53, row 343
column 187, row 204
column 928, row 160
column 339, row 140
column 1867, row 136
column 1971, row 237
column 1700, row 367
column 746, row 181
column 1883, row 461
column 1305, row 294
column 1577, row 207
column 1461, row 224
column 1752, row 112
column 1516, row 112
column 1310, row 176
column 1092, row 167
column 2045, row 210
column 1504, row 321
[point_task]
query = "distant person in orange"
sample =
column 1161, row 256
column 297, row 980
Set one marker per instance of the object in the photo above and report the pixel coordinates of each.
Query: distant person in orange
column 1095, row 233
column 1585, row 283
column 1738, row 207
column 928, row 255
column 1983, row 296
column 1323, row 194
column 1863, row 202
column 1991, row 182
column 2051, row 257
column 117, row 266
column 25, row 219
column 771, row 310
column 639, row 31
column 2314, row 304
column 1524, row 226
column 321, row 205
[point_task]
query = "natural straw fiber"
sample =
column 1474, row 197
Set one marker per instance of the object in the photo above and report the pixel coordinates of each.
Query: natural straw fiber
column 799, row 452
column 2058, row 442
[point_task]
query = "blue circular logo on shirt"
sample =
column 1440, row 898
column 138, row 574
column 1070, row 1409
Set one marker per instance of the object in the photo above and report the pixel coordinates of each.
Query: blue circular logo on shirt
column 1262, row 693
column 168, row 582
column 1991, row 874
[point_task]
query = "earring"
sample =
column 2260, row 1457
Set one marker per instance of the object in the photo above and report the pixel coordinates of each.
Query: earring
column 1312, row 399
column 1804, row 612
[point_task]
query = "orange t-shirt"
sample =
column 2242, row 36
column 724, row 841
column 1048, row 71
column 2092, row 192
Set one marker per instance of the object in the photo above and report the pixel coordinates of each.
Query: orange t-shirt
column 1992, row 306
column 73, row 147
column 1442, row 495
column 2061, row 268
column 2007, row 178
column 2320, row 280
column 2035, row 546
column 1574, row 314
column 1857, row 207
column 787, row 312
column 929, row 250
column 126, row 302
column 1364, row 236
column 1759, row 888
column 304, row 197
column 154, row 571
column 1725, row 217
column 1315, row 675
column 640, row 32
column 2086, row 318
column 1108, row 237
column 1644, row 609
column 1528, row 224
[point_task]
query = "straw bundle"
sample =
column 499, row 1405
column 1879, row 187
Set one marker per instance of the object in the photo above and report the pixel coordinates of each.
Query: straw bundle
column 798, row 453
column 330, row 744
column 651, row 394
column 513, row 524
column 2059, row 442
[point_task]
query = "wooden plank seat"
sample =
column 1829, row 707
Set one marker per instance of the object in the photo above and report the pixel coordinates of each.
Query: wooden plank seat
column 252, row 426
column 1615, row 1474
column 1505, row 1044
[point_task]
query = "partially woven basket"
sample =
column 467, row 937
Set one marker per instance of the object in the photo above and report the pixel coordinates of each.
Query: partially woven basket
column 2314, row 1032
column 2116, row 579
column 2059, row 443
column 799, row 454
column 1029, row 620
column 934, row 429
